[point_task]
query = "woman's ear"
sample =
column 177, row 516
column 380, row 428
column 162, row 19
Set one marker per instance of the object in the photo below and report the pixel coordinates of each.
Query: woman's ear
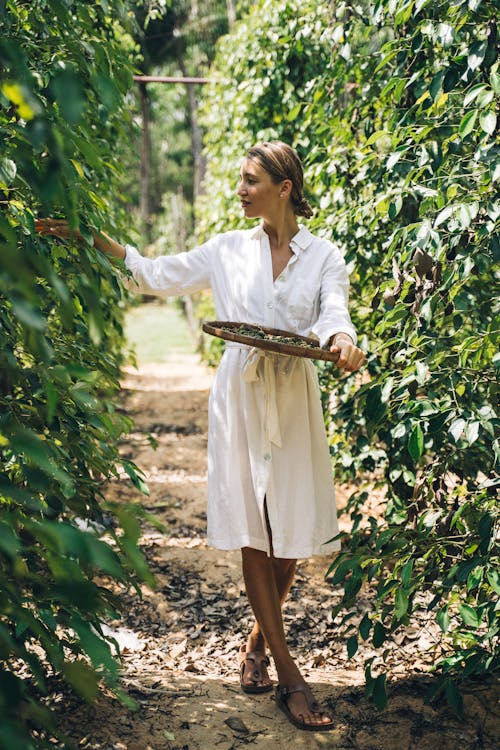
column 286, row 189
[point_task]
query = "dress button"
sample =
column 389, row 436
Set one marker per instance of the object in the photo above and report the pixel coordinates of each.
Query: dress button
column 270, row 305
column 267, row 456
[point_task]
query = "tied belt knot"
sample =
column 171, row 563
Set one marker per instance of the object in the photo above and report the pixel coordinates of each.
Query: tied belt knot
column 263, row 366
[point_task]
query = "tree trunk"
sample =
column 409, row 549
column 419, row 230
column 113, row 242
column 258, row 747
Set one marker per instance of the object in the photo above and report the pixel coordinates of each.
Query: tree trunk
column 145, row 162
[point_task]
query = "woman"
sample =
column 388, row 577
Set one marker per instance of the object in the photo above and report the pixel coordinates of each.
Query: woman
column 270, row 487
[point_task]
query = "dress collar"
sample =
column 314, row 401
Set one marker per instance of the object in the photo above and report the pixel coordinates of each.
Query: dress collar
column 299, row 241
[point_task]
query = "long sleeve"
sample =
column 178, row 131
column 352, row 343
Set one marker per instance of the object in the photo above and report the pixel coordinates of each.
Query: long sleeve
column 334, row 295
column 171, row 275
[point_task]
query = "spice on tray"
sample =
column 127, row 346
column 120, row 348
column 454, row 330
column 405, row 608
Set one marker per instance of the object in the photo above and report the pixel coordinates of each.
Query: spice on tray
column 257, row 333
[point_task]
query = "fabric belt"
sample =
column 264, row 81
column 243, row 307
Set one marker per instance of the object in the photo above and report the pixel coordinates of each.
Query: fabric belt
column 260, row 366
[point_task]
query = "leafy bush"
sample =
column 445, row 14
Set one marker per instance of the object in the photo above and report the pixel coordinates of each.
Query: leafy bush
column 393, row 108
column 65, row 71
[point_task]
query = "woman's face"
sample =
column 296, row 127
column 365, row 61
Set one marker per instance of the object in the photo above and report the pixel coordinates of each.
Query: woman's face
column 259, row 195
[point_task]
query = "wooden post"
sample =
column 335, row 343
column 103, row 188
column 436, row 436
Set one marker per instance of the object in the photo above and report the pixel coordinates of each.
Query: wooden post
column 179, row 220
column 231, row 14
column 145, row 164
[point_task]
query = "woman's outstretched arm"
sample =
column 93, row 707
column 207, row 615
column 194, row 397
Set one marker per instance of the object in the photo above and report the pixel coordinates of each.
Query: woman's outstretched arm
column 166, row 275
column 60, row 228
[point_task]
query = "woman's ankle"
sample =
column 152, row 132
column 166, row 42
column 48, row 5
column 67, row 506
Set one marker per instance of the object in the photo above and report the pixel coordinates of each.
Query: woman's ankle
column 288, row 674
column 256, row 642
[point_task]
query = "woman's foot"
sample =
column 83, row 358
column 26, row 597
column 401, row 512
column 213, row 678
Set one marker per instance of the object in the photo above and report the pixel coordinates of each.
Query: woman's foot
column 299, row 706
column 254, row 677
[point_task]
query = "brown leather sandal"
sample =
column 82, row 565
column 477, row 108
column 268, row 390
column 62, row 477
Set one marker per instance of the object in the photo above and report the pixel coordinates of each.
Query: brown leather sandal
column 283, row 693
column 258, row 660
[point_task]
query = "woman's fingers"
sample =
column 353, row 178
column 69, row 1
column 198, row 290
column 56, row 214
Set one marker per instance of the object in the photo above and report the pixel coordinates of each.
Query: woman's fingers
column 55, row 227
column 350, row 357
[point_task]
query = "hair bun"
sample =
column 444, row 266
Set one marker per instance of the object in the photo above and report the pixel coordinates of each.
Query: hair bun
column 303, row 207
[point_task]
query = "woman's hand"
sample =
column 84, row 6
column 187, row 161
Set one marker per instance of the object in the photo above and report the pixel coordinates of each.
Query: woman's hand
column 351, row 358
column 61, row 228
column 56, row 228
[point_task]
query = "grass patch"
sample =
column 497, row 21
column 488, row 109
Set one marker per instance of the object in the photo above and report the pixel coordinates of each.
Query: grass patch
column 157, row 332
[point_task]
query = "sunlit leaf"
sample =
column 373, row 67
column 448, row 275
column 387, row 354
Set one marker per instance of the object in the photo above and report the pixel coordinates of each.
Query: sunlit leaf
column 488, row 122
column 8, row 171
column 467, row 124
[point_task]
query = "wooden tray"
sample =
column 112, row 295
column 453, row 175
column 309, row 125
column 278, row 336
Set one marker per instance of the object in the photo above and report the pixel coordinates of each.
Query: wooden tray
column 311, row 350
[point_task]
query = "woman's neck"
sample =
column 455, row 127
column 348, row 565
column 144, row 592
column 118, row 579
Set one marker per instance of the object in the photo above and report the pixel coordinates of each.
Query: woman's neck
column 280, row 231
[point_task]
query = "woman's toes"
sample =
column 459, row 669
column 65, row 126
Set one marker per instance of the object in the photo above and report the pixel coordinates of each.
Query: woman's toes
column 299, row 707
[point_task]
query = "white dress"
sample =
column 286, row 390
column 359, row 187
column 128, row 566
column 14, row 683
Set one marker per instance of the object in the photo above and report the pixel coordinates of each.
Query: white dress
column 267, row 442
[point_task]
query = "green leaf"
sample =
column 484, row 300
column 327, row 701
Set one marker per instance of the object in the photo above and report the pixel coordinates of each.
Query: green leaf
column 9, row 543
column 394, row 158
column 488, row 122
column 454, row 698
column 8, row 171
column 456, row 428
column 375, row 407
column 395, row 207
column 495, row 81
column 467, row 124
column 27, row 442
column 379, row 693
column 493, row 577
column 476, row 54
column 83, row 679
column 379, row 634
column 437, row 84
column 401, row 603
column 69, row 95
column 377, row 136
column 475, row 578
column 137, row 480
column 472, row 431
column 107, row 90
column 293, row 113
column 94, row 646
column 416, row 443
column 470, row 615
column 406, row 572
column 28, row 315
column 352, row 646
column 473, row 93
column 443, row 619
column 365, row 626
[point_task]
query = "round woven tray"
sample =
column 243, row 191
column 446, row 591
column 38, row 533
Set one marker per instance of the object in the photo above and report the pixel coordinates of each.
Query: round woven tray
column 229, row 331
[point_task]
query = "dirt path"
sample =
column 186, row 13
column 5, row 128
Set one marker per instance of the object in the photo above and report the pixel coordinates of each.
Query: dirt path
column 180, row 643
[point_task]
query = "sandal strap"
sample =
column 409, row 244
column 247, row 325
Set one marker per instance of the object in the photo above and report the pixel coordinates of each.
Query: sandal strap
column 258, row 658
column 284, row 691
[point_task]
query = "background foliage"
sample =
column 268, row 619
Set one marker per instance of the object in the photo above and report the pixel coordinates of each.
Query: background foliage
column 65, row 69
column 393, row 107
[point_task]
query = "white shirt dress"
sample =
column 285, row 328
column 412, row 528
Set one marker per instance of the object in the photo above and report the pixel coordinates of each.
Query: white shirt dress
column 267, row 445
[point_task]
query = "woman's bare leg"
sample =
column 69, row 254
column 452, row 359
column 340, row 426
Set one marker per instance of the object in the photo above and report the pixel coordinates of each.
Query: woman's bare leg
column 259, row 572
column 284, row 572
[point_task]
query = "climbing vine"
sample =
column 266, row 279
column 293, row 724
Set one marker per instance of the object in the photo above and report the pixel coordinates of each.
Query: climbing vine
column 393, row 107
column 64, row 550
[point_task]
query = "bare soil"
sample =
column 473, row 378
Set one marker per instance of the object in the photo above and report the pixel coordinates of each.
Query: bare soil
column 180, row 642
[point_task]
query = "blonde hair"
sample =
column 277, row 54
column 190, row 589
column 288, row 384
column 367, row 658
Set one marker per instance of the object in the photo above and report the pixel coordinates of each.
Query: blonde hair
column 282, row 162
